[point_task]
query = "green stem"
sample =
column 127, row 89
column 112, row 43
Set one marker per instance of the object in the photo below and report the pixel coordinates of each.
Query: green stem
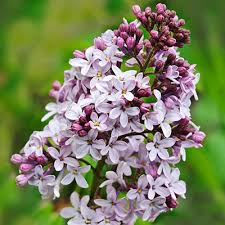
column 96, row 179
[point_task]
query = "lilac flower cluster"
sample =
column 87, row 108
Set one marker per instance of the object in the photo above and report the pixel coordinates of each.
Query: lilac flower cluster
column 122, row 116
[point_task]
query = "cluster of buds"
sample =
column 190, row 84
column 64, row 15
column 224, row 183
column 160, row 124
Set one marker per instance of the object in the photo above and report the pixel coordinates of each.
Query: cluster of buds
column 164, row 26
column 118, row 133
column 129, row 38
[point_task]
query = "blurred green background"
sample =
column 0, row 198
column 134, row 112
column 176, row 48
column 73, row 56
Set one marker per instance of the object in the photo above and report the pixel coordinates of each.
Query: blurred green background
column 38, row 37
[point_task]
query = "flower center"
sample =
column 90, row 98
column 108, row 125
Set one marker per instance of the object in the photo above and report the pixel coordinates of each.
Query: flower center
column 124, row 91
column 99, row 74
column 96, row 123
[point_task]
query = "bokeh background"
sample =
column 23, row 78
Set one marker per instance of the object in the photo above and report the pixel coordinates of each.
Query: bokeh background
column 36, row 40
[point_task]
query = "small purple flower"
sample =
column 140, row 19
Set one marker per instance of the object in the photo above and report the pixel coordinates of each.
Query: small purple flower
column 75, row 172
column 98, row 122
column 61, row 158
column 159, row 147
column 140, row 192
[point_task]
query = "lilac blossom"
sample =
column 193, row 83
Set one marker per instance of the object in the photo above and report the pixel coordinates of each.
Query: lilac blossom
column 117, row 132
column 75, row 172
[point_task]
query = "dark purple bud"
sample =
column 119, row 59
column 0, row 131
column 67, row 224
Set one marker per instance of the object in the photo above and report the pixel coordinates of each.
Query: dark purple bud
column 181, row 22
column 32, row 157
column 56, row 85
column 182, row 71
column 144, row 92
column 184, row 122
column 179, row 36
column 198, row 137
column 124, row 27
column 139, row 47
column 132, row 28
column 160, row 8
column 82, row 133
column 147, row 44
column 16, row 159
column 148, row 11
column 130, row 42
column 171, row 58
column 76, row 127
column 87, row 126
column 171, row 42
column 117, row 33
column 120, row 42
column 171, row 203
column 79, row 54
column 160, row 18
column 21, row 180
column 138, row 101
column 139, row 33
column 124, row 35
column 41, row 160
column 99, row 43
column 136, row 9
column 159, row 65
column 145, row 107
column 25, row 167
column 82, row 120
column 88, row 110
column 154, row 34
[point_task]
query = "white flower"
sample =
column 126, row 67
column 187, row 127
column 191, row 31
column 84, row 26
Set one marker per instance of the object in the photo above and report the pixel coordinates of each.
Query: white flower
column 75, row 172
column 85, row 64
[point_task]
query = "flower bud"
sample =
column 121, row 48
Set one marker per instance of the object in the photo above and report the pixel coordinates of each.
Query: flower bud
column 53, row 94
column 171, row 203
column 145, row 107
column 130, row 42
column 82, row 133
column 120, row 42
column 56, row 85
column 144, row 92
column 82, row 119
column 148, row 11
column 132, row 28
column 88, row 110
column 76, row 127
column 25, row 167
column 99, row 43
column 136, row 9
column 198, row 137
column 87, row 126
column 160, row 8
column 41, row 160
column 170, row 103
column 21, row 180
column 171, row 42
column 79, row 54
column 154, row 34
column 124, row 35
column 16, row 159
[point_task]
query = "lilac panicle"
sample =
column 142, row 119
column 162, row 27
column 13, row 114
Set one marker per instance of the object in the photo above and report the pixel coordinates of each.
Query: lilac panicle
column 101, row 123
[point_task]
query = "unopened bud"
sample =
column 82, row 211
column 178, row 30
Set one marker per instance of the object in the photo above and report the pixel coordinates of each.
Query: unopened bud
column 120, row 42
column 21, row 180
column 145, row 107
column 198, row 137
column 76, row 127
column 56, row 85
column 171, row 203
column 136, row 9
column 82, row 133
column 160, row 8
column 99, row 43
column 78, row 54
column 25, row 167
column 171, row 42
column 88, row 110
column 16, row 159
column 130, row 42
column 144, row 92
column 154, row 34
